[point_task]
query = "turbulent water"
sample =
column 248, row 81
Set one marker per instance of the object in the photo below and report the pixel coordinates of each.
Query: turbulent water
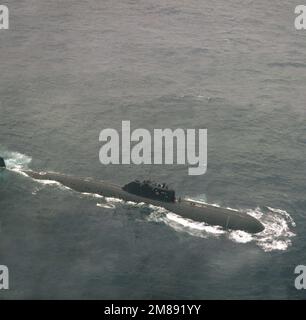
column 72, row 68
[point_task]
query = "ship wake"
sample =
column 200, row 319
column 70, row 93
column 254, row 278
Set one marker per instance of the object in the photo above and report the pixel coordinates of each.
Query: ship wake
column 277, row 235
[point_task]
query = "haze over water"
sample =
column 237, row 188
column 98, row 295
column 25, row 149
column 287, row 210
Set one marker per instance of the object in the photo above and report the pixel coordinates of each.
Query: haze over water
column 72, row 68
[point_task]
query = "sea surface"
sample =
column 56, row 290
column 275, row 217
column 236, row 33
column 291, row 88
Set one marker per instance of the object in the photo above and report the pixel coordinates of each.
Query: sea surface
column 69, row 69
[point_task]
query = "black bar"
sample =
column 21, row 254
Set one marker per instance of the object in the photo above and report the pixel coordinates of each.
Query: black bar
column 109, row 309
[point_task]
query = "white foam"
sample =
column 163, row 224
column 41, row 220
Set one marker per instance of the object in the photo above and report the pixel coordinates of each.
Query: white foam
column 113, row 200
column 181, row 224
column 93, row 195
column 106, row 206
column 240, row 236
column 278, row 229
column 15, row 160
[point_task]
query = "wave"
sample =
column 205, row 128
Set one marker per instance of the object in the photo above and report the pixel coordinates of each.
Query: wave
column 278, row 229
column 15, row 161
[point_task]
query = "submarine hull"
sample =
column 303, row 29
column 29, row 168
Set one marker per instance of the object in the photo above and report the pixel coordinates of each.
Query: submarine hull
column 226, row 218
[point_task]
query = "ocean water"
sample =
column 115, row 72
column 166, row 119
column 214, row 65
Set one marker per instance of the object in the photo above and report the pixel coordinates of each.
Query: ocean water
column 72, row 68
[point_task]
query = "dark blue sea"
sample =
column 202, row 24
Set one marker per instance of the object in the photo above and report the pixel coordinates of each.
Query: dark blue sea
column 69, row 69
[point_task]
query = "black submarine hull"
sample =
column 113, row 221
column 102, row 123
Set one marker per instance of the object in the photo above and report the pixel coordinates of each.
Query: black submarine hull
column 216, row 216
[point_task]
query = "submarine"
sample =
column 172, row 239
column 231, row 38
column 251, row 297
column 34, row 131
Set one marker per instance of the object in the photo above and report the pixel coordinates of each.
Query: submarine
column 159, row 195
